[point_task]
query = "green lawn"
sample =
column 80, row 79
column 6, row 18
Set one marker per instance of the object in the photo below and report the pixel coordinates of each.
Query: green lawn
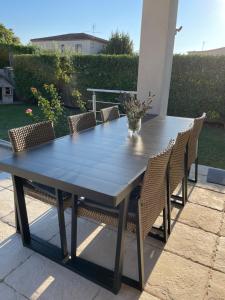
column 211, row 144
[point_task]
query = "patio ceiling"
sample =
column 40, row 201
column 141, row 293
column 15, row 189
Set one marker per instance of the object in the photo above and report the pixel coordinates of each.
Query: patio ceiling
column 156, row 51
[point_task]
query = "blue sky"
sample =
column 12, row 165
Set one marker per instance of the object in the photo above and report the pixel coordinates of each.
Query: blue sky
column 202, row 20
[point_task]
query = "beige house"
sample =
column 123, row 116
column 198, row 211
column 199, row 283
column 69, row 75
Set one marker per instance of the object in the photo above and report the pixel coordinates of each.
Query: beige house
column 81, row 43
column 214, row 52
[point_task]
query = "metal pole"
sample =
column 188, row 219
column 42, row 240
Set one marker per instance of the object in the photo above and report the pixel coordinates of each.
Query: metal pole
column 94, row 103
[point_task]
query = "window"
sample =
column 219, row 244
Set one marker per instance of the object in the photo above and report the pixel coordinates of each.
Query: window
column 62, row 48
column 78, row 48
column 8, row 91
column 92, row 45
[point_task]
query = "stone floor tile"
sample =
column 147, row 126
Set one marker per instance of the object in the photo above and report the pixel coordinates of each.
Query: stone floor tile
column 98, row 244
column 48, row 219
column 7, row 293
column 216, row 290
column 42, row 279
column 198, row 216
column 101, row 250
column 177, row 278
column 5, row 180
column 192, row 243
column 126, row 293
column 7, row 203
column 220, row 256
column 87, row 231
column 202, row 170
column 6, row 231
column 207, row 198
column 202, row 182
column 12, row 252
column 222, row 231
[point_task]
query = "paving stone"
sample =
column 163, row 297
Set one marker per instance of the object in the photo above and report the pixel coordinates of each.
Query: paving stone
column 207, row 198
column 42, row 279
column 7, row 203
column 98, row 244
column 126, row 293
column 12, row 252
column 87, row 231
column 5, row 180
column 202, row 170
column 202, row 182
column 101, row 250
column 48, row 219
column 220, row 255
column 8, row 293
column 222, row 231
column 216, row 290
column 177, row 278
column 198, row 216
column 191, row 243
column 6, row 231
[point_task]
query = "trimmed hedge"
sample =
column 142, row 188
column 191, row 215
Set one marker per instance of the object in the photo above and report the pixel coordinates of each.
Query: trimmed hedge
column 197, row 85
column 7, row 51
column 114, row 72
column 34, row 71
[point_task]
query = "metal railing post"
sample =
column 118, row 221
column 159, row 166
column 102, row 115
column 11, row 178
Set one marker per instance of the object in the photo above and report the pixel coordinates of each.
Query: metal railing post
column 94, row 103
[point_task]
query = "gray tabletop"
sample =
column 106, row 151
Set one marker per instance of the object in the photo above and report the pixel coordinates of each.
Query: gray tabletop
column 102, row 163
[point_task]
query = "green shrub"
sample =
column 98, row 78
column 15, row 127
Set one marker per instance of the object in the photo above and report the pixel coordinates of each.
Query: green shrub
column 34, row 71
column 7, row 51
column 197, row 85
column 114, row 72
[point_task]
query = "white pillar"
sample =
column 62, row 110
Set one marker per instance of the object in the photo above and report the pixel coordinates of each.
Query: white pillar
column 156, row 51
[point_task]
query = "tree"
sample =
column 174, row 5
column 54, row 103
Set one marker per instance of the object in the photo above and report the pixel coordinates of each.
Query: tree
column 7, row 36
column 119, row 43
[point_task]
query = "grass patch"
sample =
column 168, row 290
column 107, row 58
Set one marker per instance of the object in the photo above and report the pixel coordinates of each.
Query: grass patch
column 212, row 147
column 12, row 116
column 211, row 143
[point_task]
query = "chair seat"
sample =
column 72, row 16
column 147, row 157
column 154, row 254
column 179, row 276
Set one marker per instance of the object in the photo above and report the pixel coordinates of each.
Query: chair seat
column 46, row 193
column 87, row 204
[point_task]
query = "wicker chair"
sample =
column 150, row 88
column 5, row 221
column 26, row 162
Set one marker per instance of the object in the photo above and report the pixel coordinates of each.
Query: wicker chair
column 178, row 171
column 24, row 138
column 193, row 145
column 109, row 113
column 145, row 205
column 81, row 122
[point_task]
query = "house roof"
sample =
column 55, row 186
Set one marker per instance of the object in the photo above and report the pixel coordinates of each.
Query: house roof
column 216, row 50
column 70, row 37
column 4, row 82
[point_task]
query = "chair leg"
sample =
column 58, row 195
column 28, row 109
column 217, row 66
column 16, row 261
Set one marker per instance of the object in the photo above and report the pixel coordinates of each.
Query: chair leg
column 165, row 224
column 74, row 228
column 183, row 192
column 168, row 202
column 196, row 170
column 62, row 226
column 195, row 180
column 140, row 248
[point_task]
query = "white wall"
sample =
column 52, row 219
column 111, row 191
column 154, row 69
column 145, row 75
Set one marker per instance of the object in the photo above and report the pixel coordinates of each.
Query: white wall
column 156, row 51
column 88, row 46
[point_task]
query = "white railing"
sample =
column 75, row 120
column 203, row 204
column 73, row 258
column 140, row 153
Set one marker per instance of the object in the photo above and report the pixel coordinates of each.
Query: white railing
column 94, row 98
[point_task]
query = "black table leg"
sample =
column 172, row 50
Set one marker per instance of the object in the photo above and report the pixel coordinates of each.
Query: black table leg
column 62, row 226
column 74, row 228
column 16, row 213
column 20, row 207
column 120, row 245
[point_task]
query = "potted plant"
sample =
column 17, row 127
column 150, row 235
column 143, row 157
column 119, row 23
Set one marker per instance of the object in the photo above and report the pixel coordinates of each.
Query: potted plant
column 135, row 110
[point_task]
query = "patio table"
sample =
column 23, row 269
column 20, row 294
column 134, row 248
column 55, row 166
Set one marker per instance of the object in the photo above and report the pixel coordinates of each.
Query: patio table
column 102, row 164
